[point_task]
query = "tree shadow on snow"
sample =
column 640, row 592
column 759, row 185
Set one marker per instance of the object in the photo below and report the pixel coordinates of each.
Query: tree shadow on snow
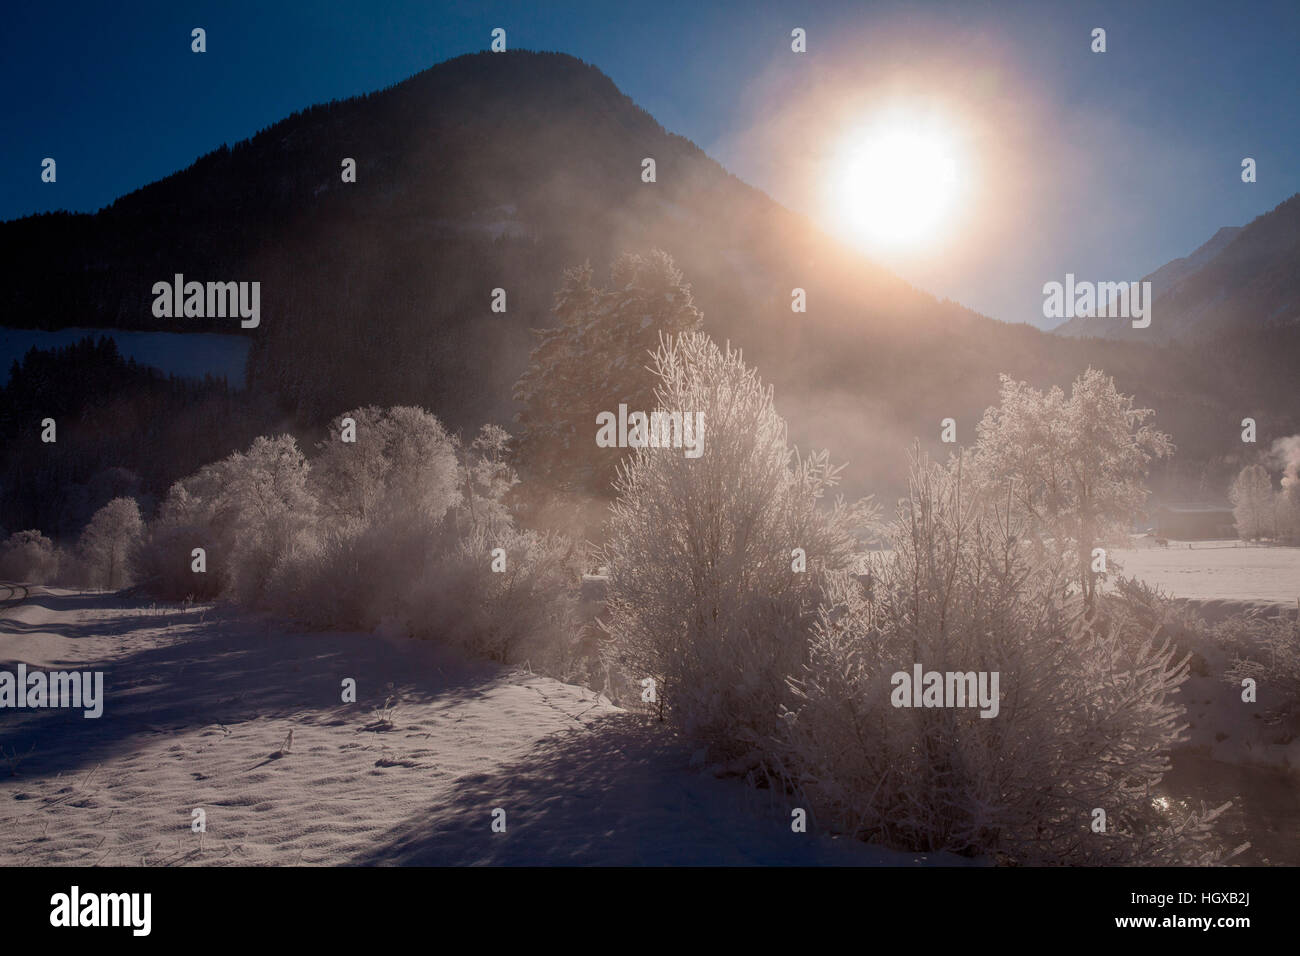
column 617, row 792
column 218, row 669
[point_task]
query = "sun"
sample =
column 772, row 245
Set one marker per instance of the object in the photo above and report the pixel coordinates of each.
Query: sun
column 896, row 181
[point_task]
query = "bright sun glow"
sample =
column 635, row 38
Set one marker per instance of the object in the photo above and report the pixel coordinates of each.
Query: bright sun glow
column 896, row 182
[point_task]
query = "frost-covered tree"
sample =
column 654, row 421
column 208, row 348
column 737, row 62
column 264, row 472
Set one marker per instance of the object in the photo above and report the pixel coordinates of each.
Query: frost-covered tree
column 593, row 359
column 1253, row 506
column 248, row 512
column 193, row 515
column 402, row 463
column 704, row 596
column 1076, row 466
column 269, row 507
column 30, row 557
column 108, row 541
column 416, row 536
column 486, row 477
column 1286, row 508
column 1086, row 718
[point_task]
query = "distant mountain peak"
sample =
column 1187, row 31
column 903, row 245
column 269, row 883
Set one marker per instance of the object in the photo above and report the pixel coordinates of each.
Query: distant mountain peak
column 1171, row 273
column 1242, row 277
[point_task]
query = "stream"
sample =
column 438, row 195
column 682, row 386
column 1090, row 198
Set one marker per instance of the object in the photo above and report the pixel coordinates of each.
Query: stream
column 1265, row 806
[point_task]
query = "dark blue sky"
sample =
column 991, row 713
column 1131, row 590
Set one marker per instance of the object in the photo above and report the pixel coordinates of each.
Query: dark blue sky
column 1097, row 164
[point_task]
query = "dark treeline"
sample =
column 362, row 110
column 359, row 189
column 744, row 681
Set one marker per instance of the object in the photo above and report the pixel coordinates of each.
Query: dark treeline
column 120, row 428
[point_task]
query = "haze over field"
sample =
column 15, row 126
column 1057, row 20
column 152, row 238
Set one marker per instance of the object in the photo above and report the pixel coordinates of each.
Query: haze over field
column 536, row 158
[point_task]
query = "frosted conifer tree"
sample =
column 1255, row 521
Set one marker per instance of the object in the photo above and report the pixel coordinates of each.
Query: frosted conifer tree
column 593, row 360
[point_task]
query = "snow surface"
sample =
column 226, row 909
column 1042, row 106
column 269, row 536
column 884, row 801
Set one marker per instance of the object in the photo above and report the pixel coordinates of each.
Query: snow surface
column 198, row 702
column 1214, row 570
column 1218, row 579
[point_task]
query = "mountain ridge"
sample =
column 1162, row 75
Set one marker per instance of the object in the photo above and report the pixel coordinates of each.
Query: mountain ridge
column 1242, row 276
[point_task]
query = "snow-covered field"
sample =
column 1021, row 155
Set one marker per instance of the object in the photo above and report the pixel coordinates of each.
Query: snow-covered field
column 1219, row 578
column 199, row 701
column 1214, row 570
column 1233, row 752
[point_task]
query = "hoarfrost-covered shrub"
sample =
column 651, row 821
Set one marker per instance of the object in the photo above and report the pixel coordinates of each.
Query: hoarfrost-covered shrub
column 1085, row 718
column 190, row 517
column 1266, row 649
column 381, row 503
column 1262, row 643
column 406, row 541
column 1286, row 509
column 29, row 557
column 526, row 612
column 702, row 597
column 402, row 464
column 107, row 543
column 249, row 512
column 353, row 578
column 271, row 510
column 164, row 559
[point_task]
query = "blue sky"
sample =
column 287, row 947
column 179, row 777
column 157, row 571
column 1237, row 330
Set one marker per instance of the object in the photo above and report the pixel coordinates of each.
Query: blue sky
column 1103, row 165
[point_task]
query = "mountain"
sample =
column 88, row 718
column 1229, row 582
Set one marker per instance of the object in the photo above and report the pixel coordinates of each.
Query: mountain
column 1162, row 281
column 499, row 171
column 1244, row 277
column 1172, row 273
